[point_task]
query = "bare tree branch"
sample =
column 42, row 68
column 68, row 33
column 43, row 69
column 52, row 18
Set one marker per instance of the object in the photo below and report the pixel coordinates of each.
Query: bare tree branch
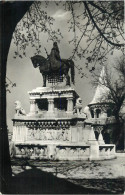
column 99, row 30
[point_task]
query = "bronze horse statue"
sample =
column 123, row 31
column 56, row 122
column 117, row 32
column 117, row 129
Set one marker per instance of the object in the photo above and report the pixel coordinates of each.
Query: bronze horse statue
column 54, row 64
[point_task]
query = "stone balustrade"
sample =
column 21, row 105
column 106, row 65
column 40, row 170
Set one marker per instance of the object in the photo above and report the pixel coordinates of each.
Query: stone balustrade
column 107, row 151
column 63, row 152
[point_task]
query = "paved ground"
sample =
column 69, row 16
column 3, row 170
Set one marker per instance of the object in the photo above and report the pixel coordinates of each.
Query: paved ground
column 96, row 176
column 108, row 169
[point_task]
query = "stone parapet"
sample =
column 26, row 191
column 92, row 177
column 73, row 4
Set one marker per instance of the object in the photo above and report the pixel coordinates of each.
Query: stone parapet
column 101, row 121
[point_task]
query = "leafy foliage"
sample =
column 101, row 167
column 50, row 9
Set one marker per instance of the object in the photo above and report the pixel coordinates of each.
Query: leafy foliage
column 28, row 31
column 99, row 23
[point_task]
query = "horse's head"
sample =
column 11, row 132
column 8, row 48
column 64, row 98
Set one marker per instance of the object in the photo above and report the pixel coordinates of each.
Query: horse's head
column 35, row 62
column 38, row 61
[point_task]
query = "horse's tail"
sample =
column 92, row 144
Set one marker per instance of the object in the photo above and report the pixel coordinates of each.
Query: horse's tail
column 72, row 72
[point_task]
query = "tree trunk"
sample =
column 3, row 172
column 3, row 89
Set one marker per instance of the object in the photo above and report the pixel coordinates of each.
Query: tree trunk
column 119, row 132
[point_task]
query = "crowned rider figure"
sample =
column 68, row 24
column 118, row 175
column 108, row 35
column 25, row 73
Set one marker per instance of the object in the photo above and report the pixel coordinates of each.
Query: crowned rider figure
column 54, row 56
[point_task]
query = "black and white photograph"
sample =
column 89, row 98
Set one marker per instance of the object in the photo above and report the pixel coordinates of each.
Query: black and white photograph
column 62, row 97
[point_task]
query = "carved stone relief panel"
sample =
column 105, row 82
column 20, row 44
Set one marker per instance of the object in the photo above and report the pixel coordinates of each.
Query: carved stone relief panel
column 49, row 134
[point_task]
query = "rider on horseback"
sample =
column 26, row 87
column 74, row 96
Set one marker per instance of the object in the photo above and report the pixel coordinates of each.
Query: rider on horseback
column 55, row 52
column 54, row 65
column 54, row 56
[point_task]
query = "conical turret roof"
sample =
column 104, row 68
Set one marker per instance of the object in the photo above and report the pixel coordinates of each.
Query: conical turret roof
column 102, row 92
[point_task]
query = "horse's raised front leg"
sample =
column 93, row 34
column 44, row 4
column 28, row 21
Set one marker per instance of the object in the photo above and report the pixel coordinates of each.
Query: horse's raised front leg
column 44, row 80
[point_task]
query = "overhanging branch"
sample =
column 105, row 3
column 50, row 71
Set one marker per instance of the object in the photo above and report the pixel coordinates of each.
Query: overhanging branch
column 99, row 30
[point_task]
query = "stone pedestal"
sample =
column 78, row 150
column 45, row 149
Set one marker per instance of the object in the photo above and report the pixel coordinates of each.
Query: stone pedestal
column 54, row 131
column 100, row 139
column 94, row 146
column 94, row 152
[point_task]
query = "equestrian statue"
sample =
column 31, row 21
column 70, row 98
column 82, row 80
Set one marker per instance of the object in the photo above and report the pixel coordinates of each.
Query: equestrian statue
column 54, row 65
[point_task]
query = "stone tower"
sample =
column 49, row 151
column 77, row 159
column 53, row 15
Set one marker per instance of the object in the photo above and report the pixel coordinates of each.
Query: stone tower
column 100, row 109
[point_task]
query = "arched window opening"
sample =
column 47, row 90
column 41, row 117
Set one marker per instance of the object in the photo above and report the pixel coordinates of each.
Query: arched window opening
column 92, row 113
column 98, row 112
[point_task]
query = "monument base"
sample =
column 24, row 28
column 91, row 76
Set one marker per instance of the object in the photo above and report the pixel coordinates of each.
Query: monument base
column 55, row 129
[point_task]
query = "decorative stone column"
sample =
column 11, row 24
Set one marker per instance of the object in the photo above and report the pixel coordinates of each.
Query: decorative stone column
column 32, row 107
column 94, row 146
column 70, row 105
column 92, row 138
column 100, row 139
column 50, row 105
column 94, row 113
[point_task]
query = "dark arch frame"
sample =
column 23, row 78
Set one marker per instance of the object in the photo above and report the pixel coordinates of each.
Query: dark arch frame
column 10, row 14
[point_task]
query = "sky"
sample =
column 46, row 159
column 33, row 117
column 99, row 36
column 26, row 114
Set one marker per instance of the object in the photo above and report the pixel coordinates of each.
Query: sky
column 27, row 78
